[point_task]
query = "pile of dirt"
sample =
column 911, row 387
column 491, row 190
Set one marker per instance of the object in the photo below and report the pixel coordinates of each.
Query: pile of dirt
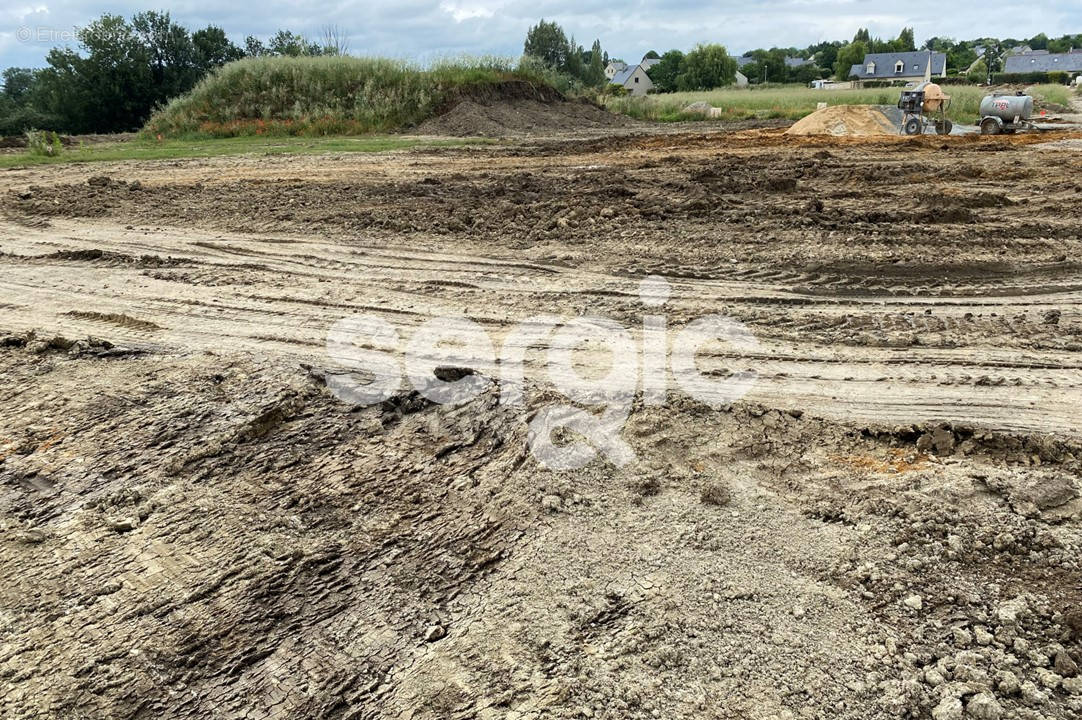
column 519, row 116
column 853, row 120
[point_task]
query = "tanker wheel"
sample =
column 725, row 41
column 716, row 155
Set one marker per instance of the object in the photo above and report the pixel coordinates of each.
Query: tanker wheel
column 913, row 126
column 943, row 127
column 989, row 126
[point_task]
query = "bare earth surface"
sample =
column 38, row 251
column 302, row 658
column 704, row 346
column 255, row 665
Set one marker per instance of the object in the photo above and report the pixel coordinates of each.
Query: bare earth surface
column 887, row 525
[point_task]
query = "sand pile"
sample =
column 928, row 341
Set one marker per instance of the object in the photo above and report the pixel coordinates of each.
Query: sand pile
column 855, row 120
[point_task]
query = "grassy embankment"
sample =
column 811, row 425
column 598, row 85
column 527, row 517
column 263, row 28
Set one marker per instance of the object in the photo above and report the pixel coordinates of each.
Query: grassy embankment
column 316, row 96
column 792, row 102
column 277, row 105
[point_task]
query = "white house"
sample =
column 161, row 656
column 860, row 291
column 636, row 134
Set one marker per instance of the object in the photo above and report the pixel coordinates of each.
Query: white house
column 634, row 79
column 614, row 67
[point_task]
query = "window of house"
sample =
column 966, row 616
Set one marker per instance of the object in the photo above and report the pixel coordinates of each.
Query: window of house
column 871, row 68
column 899, row 67
column 636, row 79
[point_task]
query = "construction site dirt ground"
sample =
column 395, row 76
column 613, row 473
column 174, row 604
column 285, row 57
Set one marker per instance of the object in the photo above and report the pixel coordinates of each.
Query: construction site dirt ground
column 888, row 523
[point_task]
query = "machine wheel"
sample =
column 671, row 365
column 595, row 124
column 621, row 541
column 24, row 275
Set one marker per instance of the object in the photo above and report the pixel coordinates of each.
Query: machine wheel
column 913, row 126
column 989, row 126
column 943, row 127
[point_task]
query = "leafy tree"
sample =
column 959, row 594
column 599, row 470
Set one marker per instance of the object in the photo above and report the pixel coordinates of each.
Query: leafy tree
column 1038, row 42
column 254, row 47
column 595, row 68
column 213, row 49
column 651, row 55
column 547, row 42
column 574, row 66
column 108, row 90
column 960, row 58
column 850, row 55
column 706, row 67
column 119, row 73
column 665, row 73
column 825, row 53
column 769, row 66
column 938, row 44
column 993, row 56
column 1065, row 43
column 805, row 73
column 863, row 36
column 289, row 43
column 18, row 83
column 979, row 72
column 170, row 53
column 906, row 41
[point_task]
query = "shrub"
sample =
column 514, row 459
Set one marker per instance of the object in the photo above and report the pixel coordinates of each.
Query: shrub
column 1054, row 77
column 21, row 119
column 43, row 142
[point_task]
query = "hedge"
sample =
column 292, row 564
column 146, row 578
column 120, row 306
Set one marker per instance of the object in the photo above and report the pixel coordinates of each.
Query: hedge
column 1056, row 77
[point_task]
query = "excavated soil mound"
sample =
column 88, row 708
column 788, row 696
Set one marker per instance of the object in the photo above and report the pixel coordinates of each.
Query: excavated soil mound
column 852, row 120
column 517, row 113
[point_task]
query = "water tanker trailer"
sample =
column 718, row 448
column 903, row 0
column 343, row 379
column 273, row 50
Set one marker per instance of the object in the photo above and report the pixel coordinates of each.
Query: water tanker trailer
column 1006, row 113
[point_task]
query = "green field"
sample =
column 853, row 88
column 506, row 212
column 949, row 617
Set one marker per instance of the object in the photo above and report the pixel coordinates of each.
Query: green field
column 792, row 102
column 149, row 149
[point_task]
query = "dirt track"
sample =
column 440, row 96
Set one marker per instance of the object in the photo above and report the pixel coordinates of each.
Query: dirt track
column 192, row 524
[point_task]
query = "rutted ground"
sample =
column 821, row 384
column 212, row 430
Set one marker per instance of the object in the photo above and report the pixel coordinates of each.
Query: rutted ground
column 887, row 525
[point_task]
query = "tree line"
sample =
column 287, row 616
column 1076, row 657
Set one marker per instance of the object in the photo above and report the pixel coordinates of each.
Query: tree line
column 549, row 46
column 125, row 68
column 704, row 67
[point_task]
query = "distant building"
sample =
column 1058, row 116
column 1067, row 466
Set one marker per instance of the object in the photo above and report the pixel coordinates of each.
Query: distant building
column 614, row 67
column 634, row 79
column 830, row 84
column 1039, row 61
column 905, row 66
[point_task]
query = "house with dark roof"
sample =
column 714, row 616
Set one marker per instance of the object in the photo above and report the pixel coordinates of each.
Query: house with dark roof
column 1043, row 62
column 905, row 66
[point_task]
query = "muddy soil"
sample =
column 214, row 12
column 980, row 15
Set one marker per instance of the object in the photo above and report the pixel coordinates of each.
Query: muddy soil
column 889, row 524
column 523, row 116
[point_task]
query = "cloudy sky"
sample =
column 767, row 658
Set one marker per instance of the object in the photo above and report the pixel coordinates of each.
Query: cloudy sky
column 423, row 29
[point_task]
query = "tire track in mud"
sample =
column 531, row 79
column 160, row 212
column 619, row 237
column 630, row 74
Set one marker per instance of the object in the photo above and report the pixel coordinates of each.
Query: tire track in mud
column 323, row 281
column 204, row 529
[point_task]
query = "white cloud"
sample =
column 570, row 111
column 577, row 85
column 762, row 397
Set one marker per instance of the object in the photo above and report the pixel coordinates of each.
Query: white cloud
column 466, row 11
column 425, row 28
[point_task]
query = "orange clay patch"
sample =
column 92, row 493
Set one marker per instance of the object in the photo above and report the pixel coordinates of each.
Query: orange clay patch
column 895, row 462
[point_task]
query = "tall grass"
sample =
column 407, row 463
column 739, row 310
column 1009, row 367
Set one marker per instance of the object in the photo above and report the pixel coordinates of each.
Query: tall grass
column 324, row 95
column 1058, row 94
column 790, row 102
